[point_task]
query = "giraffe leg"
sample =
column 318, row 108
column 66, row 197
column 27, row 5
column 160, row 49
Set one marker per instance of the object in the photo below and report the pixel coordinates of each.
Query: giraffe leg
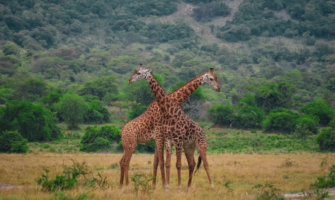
column 155, row 169
column 160, row 154
column 124, row 165
column 168, row 150
column 189, row 153
column 202, row 150
column 178, row 164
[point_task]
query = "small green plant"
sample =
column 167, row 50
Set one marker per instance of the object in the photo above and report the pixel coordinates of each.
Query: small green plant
column 67, row 180
column 142, row 183
column 267, row 192
column 326, row 181
column 114, row 166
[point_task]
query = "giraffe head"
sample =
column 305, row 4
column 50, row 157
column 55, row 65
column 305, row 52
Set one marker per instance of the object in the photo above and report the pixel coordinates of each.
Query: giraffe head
column 211, row 79
column 139, row 73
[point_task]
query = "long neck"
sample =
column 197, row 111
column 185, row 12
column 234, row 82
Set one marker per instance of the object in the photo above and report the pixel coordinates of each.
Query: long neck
column 159, row 93
column 184, row 92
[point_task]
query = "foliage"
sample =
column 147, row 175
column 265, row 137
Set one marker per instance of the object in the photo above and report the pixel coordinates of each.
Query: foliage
column 13, row 142
column 326, row 139
column 281, row 120
column 99, row 139
column 208, row 11
column 306, row 125
column 249, row 117
column 319, row 109
column 240, row 141
column 33, row 121
column 142, row 183
column 326, row 181
column 271, row 96
column 67, row 180
column 72, row 108
column 221, row 115
column 96, row 112
column 136, row 110
column 139, row 92
column 146, row 148
column 268, row 192
column 31, row 89
column 100, row 87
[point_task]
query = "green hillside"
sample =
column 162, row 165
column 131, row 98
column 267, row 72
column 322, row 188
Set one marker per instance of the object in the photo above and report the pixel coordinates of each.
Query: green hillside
column 272, row 58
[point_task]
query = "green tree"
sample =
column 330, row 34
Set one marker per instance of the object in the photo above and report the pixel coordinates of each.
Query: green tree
column 13, row 142
column 281, row 120
column 96, row 112
column 326, row 139
column 249, row 117
column 72, row 109
column 100, row 87
column 33, row 121
column 221, row 115
column 319, row 109
column 271, row 96
column 31, row 89
column 99, row 139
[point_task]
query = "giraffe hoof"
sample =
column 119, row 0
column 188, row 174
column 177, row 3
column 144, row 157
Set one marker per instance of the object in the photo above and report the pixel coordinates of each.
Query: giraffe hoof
column 212, row 186
column 179, row 187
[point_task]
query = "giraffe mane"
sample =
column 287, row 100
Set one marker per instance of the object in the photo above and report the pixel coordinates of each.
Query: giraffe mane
column 188, row 82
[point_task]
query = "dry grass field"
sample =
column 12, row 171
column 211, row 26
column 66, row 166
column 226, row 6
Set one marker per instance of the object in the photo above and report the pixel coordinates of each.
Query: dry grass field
column 235, row 175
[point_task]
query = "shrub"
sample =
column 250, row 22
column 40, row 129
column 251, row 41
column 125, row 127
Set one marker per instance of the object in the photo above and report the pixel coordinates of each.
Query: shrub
column 326, row 181
column 281, row 120
column 13, row 142
column 72, row 109
column 136, row 110
column 96, row 112
column 33, row 121
column 99, row 139
column 221, row 115
column 319, row 109
column 326, row 139
column 249, row 117
column 306, row 125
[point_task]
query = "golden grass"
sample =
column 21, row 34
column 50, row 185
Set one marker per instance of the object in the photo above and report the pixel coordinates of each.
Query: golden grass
column 287, row 172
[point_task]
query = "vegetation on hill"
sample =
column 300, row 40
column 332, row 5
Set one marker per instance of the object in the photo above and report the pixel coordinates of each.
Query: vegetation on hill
column 70, row 61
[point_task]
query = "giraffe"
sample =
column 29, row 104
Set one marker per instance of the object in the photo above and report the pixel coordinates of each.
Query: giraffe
column 141, row 129
column 175, row 127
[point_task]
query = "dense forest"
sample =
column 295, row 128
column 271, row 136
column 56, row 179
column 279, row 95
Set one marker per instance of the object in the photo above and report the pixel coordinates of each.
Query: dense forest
column 275, row 61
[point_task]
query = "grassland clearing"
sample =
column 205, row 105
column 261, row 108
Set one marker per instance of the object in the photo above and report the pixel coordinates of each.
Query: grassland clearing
column 235, row 175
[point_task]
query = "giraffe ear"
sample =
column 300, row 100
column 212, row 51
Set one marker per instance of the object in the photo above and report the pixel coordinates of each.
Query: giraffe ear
column 211, row 70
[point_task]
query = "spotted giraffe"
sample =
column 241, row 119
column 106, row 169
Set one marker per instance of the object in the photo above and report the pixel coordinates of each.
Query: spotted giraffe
column 141, row 129
column 175, row 127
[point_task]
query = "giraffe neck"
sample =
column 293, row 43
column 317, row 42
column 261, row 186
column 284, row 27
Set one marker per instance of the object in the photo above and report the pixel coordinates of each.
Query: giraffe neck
column 159, row 93
column 184, row 92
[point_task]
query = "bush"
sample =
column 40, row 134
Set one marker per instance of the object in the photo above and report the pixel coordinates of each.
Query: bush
column 221, row 115
column 72, row 109
column 281, row 120
column 13, row 142
column 319, row 109
column 99, row 139
column 136, row 110
column 249, row 117
column 96, row 113
column 326, row 139
column 306, row 125
column 33, row 121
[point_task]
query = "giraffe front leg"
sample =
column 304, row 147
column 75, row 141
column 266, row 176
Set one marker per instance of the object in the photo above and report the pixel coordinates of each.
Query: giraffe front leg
column 124, row 164
column 155, row 169
column 168, row 150
column 160, row 154
column 178, row 164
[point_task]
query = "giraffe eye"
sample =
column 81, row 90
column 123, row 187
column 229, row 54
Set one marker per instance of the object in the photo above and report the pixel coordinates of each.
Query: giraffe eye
column 211, row 79
column 138, row 73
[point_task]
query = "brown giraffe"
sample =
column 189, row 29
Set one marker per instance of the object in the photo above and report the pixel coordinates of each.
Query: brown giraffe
column 175, row 127
column 141, row 129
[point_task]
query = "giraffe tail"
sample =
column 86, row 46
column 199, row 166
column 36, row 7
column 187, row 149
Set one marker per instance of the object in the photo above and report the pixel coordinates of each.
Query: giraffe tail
column 198, row 165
